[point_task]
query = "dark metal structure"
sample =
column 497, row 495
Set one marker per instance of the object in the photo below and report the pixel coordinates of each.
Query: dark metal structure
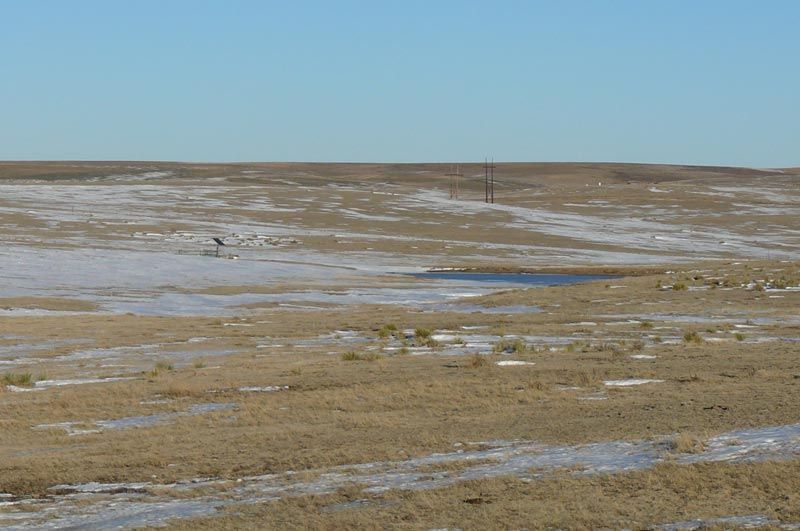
column 455, row 182
column 488, row 180
column 219, row 243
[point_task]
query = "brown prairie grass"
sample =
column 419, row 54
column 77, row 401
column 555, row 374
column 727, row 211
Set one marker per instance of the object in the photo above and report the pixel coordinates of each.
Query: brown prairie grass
column 24, row 379
column 564, row 500
column 692, row 337
column 687, row 443
column 477, row 361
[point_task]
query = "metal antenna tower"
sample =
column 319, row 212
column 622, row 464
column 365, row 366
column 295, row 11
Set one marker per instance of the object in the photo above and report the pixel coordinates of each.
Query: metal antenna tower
column 492, row 183
column 488, row 180
column 455, row 181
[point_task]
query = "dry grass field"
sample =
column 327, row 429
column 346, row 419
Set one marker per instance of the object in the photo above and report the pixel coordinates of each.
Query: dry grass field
column 309, row 377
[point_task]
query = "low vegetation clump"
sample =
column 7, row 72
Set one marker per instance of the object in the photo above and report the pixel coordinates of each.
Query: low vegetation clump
column 423, row 337
column 510, row 346
column 739, row 336
column 24, row 379
column 422, row 333
column 476, row 361
column 692, row 337
column 647, row 325
column 160, row 367
column 679, row 286
column 387, row 331
column 352, row 355
column 587, row 378
column 687, row 443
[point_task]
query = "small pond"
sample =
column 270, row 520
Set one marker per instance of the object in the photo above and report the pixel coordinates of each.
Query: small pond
column 532, row 279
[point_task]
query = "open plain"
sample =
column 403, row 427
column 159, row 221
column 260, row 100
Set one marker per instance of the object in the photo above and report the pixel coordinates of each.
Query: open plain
column 629, row 356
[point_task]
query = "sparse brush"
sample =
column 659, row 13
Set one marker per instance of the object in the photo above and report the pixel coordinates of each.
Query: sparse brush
column 422, row 333
column 692, row 337
column 604, row 347
column 637, row 345
column 647, row 325
column 476, row 361
column 656, row 339
column 24, row 379
column 429, row 342
column 387, row 331
column 586, row 378
column 199, row 365
column 179, row 390
column 739, row 336
column 403, row 351
column 161, row 366
column 352, row 355
column 679, row 286
column 759, row 286
column 510, row 346
column 687, row 443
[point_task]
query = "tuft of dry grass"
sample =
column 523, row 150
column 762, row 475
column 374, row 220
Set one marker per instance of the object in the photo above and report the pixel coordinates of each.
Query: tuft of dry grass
column 477, row 361
column 692, row 337
column 352, row 355
column 24, row 379
column 687, row 443
column 586, row 378
column 510, row 346
column 160, row 367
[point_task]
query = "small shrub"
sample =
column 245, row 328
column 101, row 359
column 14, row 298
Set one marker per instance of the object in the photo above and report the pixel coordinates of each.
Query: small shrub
column 403, row 351
column 388, row 330
column 422, row 333
column 692, row 337
column 587, row 379
column 160, row 367
column 656, row 339
column 687, row 443
column 739, row 336
column 24, row 379
column 476, row 360
column 429, row 342
column 637, row 345
column 509, row 346
column 679, row 286
column 647, row 325
column 199, row 365
column 355, row 356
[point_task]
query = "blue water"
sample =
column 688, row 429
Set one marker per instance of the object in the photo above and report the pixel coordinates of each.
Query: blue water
column 534, row 279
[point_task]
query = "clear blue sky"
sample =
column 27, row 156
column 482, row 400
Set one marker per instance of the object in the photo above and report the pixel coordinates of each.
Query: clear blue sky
column 677, row 81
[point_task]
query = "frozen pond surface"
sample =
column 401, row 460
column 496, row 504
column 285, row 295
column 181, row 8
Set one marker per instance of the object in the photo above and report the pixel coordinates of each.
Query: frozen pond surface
column 752, row 521
column 127, row 505
column 164, row 283
column 143, row 421
column 526, row 279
